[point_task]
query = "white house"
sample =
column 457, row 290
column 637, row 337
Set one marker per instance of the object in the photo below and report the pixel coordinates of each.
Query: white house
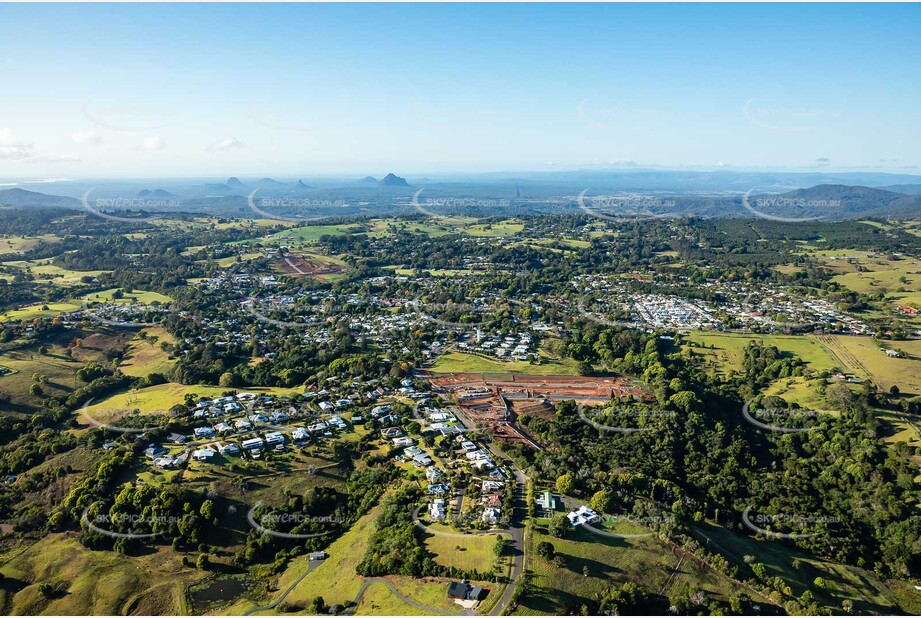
column 253, row 444
column 228, row 449
column 490, row 515
column 204, row 432
column 274, row 437
column 437, row 509
column 203, row 454
column 583, row 515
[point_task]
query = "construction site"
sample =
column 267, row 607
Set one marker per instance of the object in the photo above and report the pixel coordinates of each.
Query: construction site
column 495, row 401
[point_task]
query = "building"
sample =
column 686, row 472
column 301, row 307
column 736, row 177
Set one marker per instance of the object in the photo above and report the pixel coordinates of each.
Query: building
column 253, row 444
column 228, row 449
column 203, row 454
column 583, row 515
column 546, row 503
column 490, row 515
column 464, row 591
column 274, row 438
column 437, row 509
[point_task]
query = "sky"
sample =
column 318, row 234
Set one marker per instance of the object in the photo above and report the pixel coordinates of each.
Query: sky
column 99, row 91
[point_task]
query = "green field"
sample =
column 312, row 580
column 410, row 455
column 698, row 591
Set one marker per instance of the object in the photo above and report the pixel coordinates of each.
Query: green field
column 18, row 244
column 646, row 561
column 472, row 552
column 728, row 349
column 94, row 582
column 44, row 270
column 162, row 397
column 460, row 362
column 145, row 356
column 864, row 357
column 868, row 593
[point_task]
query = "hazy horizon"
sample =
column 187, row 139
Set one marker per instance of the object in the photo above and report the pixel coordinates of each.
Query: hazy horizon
column 121, row 91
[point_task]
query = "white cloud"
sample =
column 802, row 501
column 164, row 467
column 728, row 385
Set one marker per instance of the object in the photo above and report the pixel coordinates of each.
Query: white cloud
column 86, row 137
column 11, row 147
column 152, row 143
column 227, row 143
column 823, row 162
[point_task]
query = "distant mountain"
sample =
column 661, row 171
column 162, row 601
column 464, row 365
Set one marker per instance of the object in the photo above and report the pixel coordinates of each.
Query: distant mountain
column 906, row 189
column 835, row 202
column 392, row 180
column 368, row 180
column 301, row 185
column 155, row 193
column 219, row 187
column 20, row 198
column 234, row 182
column 270, row 182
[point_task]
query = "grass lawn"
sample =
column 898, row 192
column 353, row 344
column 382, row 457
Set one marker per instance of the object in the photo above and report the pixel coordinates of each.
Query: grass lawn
column 297, row 236
column 94, row 582
column 459, row 362
column 474, row 552
column 58, row 369
column 502, row 228
column 39, row 311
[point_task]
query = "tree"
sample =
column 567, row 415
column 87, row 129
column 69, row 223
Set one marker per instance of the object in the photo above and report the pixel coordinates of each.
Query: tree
column 559, row 526
column 602, row 501
column 502, row 546
column 546, row 550
column 203, row 562
column 207, row 510
column 318, row 606
column 565, row 483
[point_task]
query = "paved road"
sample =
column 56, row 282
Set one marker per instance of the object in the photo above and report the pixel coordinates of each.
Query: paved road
column 263, row 608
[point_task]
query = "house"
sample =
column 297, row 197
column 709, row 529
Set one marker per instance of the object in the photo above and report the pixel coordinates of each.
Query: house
column 483, row 464
column 583, row 515
column 274, row 438
column 438, row 488
column 490, row 515
column 463, row 591
column 437, row 509
column 468, row 446
column 892, row 354
column 433, row 474
column 392, row 432
column 203, row 432
column 253, row 444
column 299, row 435
column 228, row 449
column 546, row 503
column 223, row 428
column 203, row 454
column 154, row 450
column 326, row 406
column 243, row 425
column 317, row 555
column 177, row 438
column 403, row 441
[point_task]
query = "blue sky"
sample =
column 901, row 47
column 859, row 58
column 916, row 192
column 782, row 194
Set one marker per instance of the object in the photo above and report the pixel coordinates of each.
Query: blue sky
column 301, row 90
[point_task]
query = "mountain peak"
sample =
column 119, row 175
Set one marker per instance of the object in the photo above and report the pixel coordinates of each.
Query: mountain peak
column 392, row 180
column 233, row 181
